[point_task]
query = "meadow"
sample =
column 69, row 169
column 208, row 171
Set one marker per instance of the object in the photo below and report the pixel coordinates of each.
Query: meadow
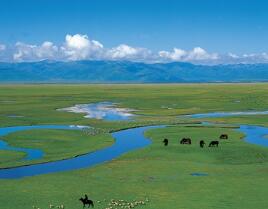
column 235, row 172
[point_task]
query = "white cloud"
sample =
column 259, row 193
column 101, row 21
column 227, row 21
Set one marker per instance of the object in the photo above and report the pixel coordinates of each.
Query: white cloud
column 196, row 54
column 201, row 54
column 23, row 51
column 3, row 53
column 124, row 51
column 177, row 54
column 46, row 50
column 234, row 56
column 27, row 52
column 2, row 47
column 251, row 58
column 77, row 41
column 79, row 47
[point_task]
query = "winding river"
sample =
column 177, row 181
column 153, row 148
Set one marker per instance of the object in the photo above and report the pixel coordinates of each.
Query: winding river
column 125, row 141
column 31, row 154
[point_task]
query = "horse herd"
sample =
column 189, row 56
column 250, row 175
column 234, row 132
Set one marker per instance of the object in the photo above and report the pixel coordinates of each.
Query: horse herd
column 202, row 143
column 86, row 201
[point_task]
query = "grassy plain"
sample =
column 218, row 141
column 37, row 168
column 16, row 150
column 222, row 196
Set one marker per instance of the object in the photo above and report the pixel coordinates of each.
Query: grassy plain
column 237, row 171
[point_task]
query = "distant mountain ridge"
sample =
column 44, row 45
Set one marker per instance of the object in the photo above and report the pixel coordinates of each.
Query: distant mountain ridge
column 128, row 72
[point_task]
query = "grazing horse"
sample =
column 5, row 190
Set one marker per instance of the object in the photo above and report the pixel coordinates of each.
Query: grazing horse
column 186, row 141
column 85, row 201
column 213, row 144
column 224, row 136
column 202, row 143
column 165, row 141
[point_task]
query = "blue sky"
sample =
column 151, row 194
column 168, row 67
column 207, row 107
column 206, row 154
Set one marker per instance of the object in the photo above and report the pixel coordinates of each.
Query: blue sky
column 227, row 26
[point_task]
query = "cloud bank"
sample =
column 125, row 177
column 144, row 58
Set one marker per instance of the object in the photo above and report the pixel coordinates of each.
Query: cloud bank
column 81, row 47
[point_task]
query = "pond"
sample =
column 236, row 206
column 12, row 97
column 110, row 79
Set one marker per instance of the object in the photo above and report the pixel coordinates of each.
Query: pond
column 102, row 110
column 225, row 114
column 15, row 116
column 199, row 174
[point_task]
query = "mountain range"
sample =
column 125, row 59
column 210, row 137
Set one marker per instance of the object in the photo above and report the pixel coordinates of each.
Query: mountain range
column 129, row 72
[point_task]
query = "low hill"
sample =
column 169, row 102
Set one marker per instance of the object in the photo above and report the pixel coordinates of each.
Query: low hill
column 128, row 72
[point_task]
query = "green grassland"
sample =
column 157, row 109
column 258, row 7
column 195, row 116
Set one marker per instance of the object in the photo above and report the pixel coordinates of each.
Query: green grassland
column 237, row 171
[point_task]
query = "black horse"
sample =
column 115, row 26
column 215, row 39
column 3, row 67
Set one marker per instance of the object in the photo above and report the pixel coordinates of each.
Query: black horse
column 202, row 143
column 186, row 141
column 85, row 201
column 165, row 141
column 213, row 144
column 224, row 136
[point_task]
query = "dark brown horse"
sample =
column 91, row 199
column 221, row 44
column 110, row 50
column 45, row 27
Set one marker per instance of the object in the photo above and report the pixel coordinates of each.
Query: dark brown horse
column 213, row 144
column 186, row 141
column 202, row 143
column 224, row 136
column 165, row 141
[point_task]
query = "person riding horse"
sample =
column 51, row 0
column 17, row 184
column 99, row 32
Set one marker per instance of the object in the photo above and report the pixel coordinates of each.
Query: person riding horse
column 85, row 201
